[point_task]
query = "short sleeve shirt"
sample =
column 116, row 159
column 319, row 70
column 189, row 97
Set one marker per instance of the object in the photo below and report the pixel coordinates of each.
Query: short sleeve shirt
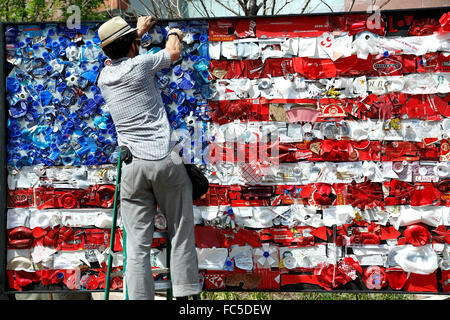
column 134, row 101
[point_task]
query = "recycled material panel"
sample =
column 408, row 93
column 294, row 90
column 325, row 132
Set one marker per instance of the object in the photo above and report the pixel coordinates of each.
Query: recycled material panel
column 325, row 140
column 62, row 151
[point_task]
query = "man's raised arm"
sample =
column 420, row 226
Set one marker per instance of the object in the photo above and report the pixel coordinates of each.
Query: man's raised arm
column 173, row 44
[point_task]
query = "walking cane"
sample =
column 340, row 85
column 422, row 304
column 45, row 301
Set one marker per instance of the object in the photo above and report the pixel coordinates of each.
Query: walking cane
column 113, row 228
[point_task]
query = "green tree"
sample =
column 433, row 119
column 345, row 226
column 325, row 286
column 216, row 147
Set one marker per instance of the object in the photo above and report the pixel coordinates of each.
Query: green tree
column 46, row 10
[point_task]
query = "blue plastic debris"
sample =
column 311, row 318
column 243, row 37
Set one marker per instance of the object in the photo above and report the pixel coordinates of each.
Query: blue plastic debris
column 57, row 113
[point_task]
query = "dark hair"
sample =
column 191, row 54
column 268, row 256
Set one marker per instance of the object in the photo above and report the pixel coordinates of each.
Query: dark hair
column 119, row 48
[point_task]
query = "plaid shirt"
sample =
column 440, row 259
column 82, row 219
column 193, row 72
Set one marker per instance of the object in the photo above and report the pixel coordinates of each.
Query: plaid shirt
column 134, row 101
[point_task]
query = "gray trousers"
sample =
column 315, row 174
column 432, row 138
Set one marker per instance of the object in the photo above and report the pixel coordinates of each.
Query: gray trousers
column 144, row 185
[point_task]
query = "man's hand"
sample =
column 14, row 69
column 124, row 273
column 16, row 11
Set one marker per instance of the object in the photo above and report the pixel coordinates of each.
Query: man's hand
column 144, row 24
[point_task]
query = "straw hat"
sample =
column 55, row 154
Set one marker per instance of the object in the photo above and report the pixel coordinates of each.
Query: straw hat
column 112, row 30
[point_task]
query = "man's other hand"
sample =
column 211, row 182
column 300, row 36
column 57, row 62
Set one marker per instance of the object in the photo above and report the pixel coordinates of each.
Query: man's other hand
column 144, row 24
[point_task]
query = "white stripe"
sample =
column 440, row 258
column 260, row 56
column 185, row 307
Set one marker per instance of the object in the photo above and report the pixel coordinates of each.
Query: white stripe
column 411, row 45
column 413, row 130
column 423, row 83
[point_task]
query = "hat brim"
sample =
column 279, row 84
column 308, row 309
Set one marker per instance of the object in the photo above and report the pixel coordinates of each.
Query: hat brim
column 112, row 39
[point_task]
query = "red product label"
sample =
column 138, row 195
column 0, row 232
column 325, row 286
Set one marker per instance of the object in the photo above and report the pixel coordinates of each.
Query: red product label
column 424, row 106
column 355, row 24
column 428, row 62
column 352, row 66
column 269, row 279
column 255, row 69
column 331, row 109
column 215, row 280
column 20, row 198
column 222, row 30
column 250, row 203
column 292, row 27
column 278, row 67
column 399, row 151
column 445, row 150
column 390, row 66
column 314, row 68
column 227, row 69
column 422, row 282
column 245, row 28
column 444, row 63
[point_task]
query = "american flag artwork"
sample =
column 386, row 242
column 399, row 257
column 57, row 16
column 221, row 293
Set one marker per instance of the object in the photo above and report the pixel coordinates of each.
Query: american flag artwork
column 325, row 140
column 321, row 176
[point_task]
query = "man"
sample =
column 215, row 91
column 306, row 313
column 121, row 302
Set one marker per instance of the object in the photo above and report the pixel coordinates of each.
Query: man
column 156, row 174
